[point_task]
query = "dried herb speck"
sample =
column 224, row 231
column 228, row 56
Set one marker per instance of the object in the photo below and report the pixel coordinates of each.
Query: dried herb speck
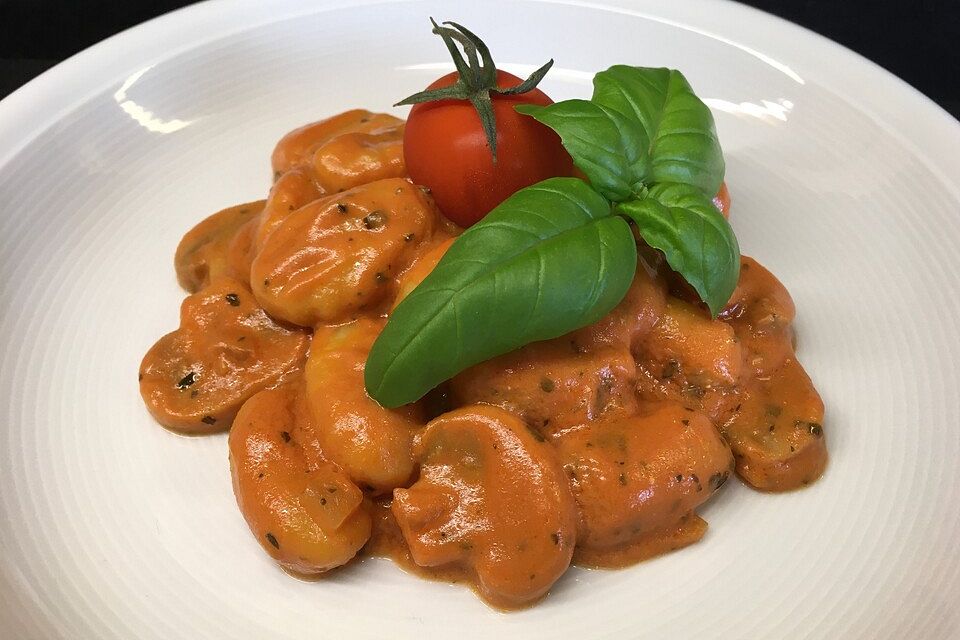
column 536, row 434
column 670, row 369
column 695, row 479
column 695, row 390
column 717, row 480
column 188, row 380
column 208, row 420
column 374, row 220
column 233, row 299
column 272, row 540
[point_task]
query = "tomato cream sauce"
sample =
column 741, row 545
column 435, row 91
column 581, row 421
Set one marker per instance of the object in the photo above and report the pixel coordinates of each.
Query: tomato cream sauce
column 596, row 448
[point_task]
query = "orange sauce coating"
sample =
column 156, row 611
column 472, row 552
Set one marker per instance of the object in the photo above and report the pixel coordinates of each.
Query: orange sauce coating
column 595, row 448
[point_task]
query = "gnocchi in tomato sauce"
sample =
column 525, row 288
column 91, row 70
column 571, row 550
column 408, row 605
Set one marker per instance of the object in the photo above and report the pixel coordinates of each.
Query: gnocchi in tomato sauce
column 594, row 448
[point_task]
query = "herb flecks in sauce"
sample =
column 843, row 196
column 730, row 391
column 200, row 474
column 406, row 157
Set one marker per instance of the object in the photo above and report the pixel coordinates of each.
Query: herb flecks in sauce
column 272, row 540
column 546, row 291
column 188, row 380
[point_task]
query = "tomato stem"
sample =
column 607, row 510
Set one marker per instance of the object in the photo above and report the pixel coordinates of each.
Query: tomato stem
column 477, row 78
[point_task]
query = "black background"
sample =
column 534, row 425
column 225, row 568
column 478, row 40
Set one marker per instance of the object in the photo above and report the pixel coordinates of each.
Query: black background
column 918, row 40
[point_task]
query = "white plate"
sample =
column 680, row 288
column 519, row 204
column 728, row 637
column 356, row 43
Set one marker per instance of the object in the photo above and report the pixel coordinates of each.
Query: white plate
column 844, row 182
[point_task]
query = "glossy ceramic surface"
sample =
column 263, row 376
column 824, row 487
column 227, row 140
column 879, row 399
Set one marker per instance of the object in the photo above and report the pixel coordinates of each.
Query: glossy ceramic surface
column 844, row 183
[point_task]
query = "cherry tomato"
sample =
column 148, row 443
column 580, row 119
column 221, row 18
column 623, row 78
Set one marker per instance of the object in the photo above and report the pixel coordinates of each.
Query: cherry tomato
column 445, row 149
column 722, row 200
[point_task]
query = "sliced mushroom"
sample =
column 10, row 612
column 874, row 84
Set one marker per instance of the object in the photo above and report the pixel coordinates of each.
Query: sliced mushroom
column 689, row 530
column 643, row 474
column 492, row 498
column 692, row 359
column 776, row 427
column 292, row 190
column 553, row 384
column 760, row 312
column 372, row 444
column 309, row 516
column 344, row 151
column 337, row 257
column 240, row 251
column 202, row 253
column 226, row 349
column 776, row 432
column 358, row 157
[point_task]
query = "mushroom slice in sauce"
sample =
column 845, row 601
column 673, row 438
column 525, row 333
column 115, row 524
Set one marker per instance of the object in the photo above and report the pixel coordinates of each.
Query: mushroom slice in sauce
column 344, row 151
column 643, row 474
column 776, row 433
column 226, row 349
column 308, row 515
column 202, row 255
column 692, row 359
column 776, row 428
column 491, row 497
column 372, row 444
column 292, row 190
column 761, row 313
column 553, row 384
column 337, row 257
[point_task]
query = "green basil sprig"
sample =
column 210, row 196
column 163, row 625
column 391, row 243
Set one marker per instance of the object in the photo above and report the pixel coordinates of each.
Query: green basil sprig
column 550, row 259
column 694, row 237
column 659, row 139
column 607, row 146
column 560, row 254
column 681, row 137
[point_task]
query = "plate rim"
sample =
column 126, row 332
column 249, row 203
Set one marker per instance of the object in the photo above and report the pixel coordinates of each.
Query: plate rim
column 934, row 134
column 99, row 80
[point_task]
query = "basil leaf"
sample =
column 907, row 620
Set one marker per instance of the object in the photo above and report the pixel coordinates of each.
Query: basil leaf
column 696, row 239
column 606, row 145
column 681, row 136
column 550, row 259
